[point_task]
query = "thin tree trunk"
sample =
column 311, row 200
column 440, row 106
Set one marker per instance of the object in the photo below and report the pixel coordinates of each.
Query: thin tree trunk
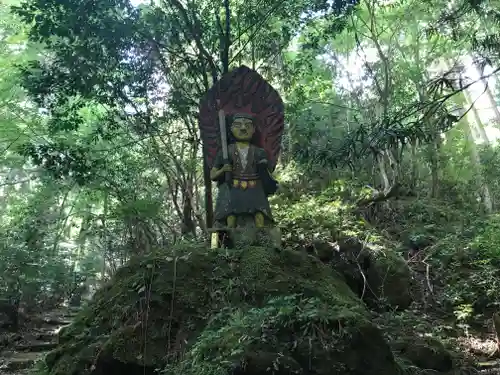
column 476, row 160
column 209, row 206
column 477, row 124
column 434, row 164
column 414, row 165
column 106, row 237
column 489, row 94
column 493, row 103
column 383, row 174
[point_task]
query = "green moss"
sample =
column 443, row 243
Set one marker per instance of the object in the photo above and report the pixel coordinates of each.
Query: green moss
column 282, row 328
column 330, row 219
column 389, row 277
column 202, row 312
column 425, row 352
column 267, row 273
column 75, row 360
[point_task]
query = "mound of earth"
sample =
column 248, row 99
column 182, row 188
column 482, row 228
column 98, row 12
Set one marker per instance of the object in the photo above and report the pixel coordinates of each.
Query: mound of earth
column 239, row 312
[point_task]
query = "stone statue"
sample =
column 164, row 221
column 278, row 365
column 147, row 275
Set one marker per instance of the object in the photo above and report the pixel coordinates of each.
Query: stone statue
column 242, row 157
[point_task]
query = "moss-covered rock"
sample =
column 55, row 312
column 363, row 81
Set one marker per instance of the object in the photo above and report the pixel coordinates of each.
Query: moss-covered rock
column 372, row 270
column 425, row 352
column 212, row 312
column 330, row 228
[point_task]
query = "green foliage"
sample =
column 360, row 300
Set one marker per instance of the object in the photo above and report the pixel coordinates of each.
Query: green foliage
column 320, row 213
column 101, row 166
column 485, row 243
column 218, row 349
column 40, row 368
column 474, row 277
column 462, row 258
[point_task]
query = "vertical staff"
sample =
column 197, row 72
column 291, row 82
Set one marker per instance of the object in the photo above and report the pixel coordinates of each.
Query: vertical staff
column 223, row 138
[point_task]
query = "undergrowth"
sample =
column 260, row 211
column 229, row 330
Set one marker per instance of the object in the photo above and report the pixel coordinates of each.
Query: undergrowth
column 259, row 307
column 452, row 250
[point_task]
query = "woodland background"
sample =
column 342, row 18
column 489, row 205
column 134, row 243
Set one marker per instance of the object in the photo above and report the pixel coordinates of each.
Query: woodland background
column 391, row 118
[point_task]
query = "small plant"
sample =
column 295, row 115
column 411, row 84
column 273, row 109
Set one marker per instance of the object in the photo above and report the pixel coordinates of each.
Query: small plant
column 40, row 368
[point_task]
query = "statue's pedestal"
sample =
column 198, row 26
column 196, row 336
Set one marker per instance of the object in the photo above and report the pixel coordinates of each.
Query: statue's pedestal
column 245, row 236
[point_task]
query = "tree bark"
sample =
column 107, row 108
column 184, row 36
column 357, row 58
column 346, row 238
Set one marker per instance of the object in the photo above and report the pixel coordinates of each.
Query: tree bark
column 476, row 160
column 477, row 124
column 209, row 205
column 489, row 94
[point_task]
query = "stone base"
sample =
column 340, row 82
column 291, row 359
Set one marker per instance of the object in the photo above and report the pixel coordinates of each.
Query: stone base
column 247, row 236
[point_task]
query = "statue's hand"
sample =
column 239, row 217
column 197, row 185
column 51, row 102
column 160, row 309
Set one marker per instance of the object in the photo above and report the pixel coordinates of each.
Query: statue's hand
column 226, row 168
column 216, row 173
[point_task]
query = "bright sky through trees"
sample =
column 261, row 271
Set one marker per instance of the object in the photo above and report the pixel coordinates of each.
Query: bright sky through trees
column 355, row 69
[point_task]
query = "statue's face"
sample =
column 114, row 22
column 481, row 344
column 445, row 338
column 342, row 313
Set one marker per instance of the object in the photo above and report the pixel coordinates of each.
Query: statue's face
column 242, row 129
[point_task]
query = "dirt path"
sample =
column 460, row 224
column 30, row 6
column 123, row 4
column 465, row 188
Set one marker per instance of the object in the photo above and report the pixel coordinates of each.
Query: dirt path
column 34, row 342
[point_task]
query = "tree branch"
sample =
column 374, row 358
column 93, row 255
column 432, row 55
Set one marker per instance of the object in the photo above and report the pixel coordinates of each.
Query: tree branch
column 227, row 39
column 194, row 30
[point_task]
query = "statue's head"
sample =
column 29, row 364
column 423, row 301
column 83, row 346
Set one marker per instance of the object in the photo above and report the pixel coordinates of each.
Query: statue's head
column 242, row 127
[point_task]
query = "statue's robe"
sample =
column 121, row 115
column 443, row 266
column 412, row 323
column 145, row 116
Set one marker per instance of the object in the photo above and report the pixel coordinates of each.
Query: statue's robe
column 246, row 194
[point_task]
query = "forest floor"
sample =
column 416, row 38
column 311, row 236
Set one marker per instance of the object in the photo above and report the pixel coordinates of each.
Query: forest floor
column 473, row 342
column 476, row 344
column 480, row 344
column 474, row 347
column 35, row 339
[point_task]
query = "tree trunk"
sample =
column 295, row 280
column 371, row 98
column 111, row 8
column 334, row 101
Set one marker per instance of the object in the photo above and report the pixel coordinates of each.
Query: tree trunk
column 476, row 160
column 209, row 206
column 434, row 165
column 477, row 124
column 490, row 96
column 414, row 165
column 106, row 237
column 493, row 104
column 188, row 224
column 383, row 173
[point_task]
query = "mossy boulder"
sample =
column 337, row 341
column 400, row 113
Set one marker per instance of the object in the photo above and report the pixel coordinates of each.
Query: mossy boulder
column 425, row 352
column 327, row 226
column 217, row 312
column 373, row 270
